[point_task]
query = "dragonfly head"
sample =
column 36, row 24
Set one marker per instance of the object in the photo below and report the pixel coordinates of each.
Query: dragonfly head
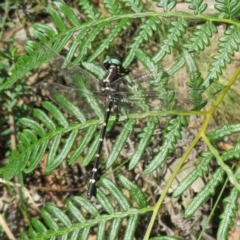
column 115, row 61
column 108, row 61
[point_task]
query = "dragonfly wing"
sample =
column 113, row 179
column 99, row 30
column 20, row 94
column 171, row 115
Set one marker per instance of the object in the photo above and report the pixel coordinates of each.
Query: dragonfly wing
column 75, row 84
column 69, row 70
column 73, row 73
column 157, row 90
column 89, row 103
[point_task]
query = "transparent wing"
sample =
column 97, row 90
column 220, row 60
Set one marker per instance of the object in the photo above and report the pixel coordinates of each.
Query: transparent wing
column 91, row 104
column 71, row 73
column 69, row 70
column 173, row 86
column 163, row 88
column 75, row 84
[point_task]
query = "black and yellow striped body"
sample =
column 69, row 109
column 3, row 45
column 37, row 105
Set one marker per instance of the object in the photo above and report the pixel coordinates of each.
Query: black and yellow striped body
column 115, row 71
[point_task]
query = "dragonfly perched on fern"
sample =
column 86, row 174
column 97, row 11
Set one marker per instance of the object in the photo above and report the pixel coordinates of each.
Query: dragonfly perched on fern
column 120, row 91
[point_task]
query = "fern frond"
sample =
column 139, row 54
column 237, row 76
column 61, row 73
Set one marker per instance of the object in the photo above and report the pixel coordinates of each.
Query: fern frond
column 196, row 5
column 36, row 127
column 65, row 104
column 59, row 21
column 88, row 42
column 227, row 46
column 48, row 32
column 123, row 24
column 224, row 131
column 229, row 213
column 201, row 36
column 206, row 192
column 134, row 190
column 175, row 32
column 167, row 5
column 55, row 161
column 57, row 223
column 84, row 143
column 70, row 15
column 145, row 32
column 228, row 9
column 172, row 134
column 88, row 8
column 43, row 117
column 91, row 152
column 135, row 6
column 233, row 153
column 32, row 149
column 144, row 139
column 112, row 7
column 120, row 141
column 201, row 169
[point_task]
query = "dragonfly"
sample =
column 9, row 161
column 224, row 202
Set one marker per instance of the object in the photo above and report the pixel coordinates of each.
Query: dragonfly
column 119, row 89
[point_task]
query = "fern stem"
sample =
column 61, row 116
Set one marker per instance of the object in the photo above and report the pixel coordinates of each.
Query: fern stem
column 213, row 210
column 219, row 100
column 142, row 15
column 201, row 134
column 169, row 183
column 225, row 167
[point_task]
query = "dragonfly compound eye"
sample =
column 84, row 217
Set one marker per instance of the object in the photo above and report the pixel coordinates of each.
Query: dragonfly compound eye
column 111, row 60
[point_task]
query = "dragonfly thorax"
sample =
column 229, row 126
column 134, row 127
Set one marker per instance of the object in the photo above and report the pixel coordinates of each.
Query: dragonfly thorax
column 115, row 71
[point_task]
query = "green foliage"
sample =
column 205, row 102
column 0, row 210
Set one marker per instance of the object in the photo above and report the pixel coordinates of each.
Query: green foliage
column 197, row 5
column 12, row 99
column 229, row 214
column 72, row 222
column 228, row 9
column 51, row 131
column 167, row 5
